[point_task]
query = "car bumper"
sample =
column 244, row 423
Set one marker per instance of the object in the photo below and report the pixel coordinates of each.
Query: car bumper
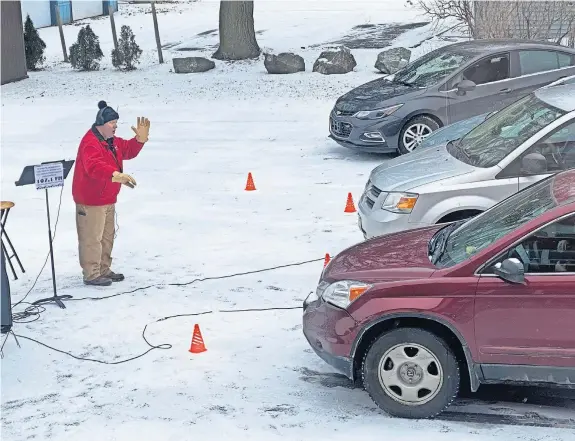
column 330, row 332
column 367, row 136
column 373, row 221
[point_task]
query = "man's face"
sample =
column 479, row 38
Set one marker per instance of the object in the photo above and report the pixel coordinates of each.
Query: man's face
column 109, row 129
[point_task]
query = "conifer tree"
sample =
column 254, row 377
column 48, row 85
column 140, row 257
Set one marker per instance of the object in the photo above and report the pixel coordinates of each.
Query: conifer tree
column 34, row 45
column 128, row 53
column 86, row 53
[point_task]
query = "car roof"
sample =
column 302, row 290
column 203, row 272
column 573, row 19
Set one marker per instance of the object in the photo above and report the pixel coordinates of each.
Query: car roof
column 480, row 47
column 559, row 95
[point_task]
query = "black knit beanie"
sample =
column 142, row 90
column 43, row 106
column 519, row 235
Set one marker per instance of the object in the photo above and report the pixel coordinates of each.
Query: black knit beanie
column 105, row 114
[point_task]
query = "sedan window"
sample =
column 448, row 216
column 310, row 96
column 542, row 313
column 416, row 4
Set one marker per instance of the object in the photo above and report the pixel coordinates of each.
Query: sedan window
column 535, row 61
column 488, row 70
column 488, row 227
column 491, row 141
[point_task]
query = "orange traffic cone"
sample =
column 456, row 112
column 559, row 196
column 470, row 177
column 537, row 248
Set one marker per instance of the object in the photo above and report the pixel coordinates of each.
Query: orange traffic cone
column 250, row 184
column 197, row 346
column 349, row 207
column 327, row 259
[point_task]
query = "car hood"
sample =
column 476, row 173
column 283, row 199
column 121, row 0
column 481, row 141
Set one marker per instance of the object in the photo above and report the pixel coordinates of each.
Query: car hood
column 373, row 95
column 418, row 168
column 397, row 256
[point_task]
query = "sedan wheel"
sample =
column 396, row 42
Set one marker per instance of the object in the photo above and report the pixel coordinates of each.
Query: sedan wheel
column 414, row 132
column 411, row 373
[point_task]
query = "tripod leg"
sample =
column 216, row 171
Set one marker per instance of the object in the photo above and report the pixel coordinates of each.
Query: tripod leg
column 9, row 262
column 16, row 339
column 55, row 299
column 14, row 253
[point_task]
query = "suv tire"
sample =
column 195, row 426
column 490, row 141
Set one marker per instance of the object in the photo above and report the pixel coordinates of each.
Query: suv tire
column 411, row 373
column 421, row 126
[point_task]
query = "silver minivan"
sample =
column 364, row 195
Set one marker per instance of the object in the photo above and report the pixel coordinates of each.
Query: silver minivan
column 512, row 149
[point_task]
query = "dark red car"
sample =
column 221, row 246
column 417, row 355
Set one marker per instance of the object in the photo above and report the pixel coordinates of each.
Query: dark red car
column 487, row 300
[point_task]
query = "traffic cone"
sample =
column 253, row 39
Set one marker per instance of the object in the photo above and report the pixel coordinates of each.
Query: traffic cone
column 250, row 184
column 327, row 259
column 197, row 346
column 349, row 207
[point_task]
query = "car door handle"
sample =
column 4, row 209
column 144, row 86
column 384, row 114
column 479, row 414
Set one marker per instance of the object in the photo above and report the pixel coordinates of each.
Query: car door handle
column 506, row 90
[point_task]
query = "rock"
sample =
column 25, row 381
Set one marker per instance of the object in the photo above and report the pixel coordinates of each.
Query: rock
column 335, row 62
column 391, row 60
column 284, row 63
column 192, row 64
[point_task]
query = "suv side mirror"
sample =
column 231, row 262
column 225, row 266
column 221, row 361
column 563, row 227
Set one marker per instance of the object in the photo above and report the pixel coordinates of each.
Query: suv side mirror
column 465, row 86
column 534, row 164
column 510, row 270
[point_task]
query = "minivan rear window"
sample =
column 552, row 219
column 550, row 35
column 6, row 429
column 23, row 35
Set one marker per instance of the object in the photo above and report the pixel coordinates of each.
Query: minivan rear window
column 491, row 141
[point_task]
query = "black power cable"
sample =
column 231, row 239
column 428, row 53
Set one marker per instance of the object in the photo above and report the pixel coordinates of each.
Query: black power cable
column 228, row 276
column 152, row 347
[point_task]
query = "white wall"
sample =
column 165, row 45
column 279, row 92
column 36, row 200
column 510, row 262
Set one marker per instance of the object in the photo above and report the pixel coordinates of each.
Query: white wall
column 86, row 8
column 39, row 11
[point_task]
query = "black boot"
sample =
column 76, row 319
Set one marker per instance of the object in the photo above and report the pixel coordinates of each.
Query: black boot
column 115, row 277
column 99, row 281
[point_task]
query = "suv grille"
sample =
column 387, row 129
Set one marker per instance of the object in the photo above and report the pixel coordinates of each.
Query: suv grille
column 341, row 129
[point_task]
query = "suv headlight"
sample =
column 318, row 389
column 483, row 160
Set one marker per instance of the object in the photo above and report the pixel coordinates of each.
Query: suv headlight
column 400, row 202
column 377, row 113
column 342, row 293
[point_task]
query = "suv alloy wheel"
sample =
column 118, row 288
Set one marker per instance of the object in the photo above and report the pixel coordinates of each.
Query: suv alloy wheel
column 411, row 373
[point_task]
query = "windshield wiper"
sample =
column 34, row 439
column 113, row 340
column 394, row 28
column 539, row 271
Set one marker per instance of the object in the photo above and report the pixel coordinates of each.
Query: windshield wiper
column 457, row 145
column 405, row 83
column 440, row 244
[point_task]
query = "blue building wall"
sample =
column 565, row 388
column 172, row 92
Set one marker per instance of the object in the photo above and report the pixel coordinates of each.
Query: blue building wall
column 43, row 12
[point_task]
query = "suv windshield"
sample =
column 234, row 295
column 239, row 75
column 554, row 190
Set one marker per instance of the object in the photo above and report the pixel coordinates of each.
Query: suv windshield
column 431, row 68
column 491, row 141
column 483, row 230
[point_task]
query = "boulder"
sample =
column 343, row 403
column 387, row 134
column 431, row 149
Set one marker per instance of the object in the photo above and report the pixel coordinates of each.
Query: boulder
column 284, row 63
column 335, row 62
column 391, row 60
column 192, row 64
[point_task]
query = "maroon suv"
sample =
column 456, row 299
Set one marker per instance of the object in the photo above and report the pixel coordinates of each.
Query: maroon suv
column 489, row 300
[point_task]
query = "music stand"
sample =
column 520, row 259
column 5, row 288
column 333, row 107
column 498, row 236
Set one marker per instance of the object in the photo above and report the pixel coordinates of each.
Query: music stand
column 50, row 175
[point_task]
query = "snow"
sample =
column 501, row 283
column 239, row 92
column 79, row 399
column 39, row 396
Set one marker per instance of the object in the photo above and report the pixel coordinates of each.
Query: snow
column 189, row 218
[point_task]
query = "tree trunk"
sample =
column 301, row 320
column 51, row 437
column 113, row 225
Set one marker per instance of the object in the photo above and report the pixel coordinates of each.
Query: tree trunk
column 237, row 34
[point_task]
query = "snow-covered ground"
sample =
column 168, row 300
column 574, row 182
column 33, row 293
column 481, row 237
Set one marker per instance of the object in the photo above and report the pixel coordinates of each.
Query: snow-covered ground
column 190, row 218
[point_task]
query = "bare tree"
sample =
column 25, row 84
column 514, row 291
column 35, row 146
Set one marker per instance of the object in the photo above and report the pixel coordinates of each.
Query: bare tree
column 528, row 19
column 460, row 10
column 237, row 33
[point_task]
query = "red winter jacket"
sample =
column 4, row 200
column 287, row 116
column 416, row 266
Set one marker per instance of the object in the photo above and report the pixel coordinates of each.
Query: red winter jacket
column 92, row 183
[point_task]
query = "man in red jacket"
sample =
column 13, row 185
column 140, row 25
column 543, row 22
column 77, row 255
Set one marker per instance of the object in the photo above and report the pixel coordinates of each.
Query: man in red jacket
column 98, row 176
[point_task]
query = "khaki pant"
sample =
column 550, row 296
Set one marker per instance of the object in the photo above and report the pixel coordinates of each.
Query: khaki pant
column 95, row 226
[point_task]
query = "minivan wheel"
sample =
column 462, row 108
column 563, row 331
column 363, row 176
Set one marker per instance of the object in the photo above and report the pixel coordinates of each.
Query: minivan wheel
column 411, row 373
column 414, row 132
